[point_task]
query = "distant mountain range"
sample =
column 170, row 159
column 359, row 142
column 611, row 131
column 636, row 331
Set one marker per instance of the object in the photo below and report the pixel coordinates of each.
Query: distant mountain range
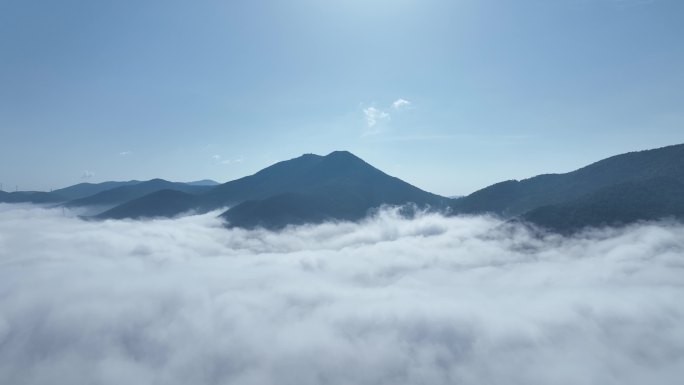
column 83, row 190
column 128, row 192
column 86, row 194
column 307, row 189
column 637, row 186
column 29, row 197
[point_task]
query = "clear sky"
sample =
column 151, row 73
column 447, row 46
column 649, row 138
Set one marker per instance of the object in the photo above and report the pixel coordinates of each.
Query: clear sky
column 448, row 95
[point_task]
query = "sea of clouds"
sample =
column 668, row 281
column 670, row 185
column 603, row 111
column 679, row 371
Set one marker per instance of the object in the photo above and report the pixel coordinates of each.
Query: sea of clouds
column 427, row 300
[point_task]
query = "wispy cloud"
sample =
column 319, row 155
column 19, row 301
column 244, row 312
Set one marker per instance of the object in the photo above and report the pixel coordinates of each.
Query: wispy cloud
column 221, row 160
column 125, row 153
column 374, row 116
column 400, row 103
column 488, row 140
column 87, row 174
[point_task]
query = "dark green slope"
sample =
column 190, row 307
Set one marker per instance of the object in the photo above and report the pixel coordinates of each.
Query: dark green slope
column 616, row 205
column 285, row 209
column 127, row 193
column 163, row 203
column 512, row 198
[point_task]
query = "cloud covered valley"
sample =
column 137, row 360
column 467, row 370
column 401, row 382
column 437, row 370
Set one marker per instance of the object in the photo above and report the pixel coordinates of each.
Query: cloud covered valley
column 427, row 300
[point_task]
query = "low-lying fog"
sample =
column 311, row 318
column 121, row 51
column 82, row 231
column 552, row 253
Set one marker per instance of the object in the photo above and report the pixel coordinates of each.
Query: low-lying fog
column 430, row 300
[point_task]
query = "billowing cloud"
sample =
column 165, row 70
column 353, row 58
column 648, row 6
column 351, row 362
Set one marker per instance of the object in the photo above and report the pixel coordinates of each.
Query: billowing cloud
column 400, row 103
column 429, row 300
column 374, row 116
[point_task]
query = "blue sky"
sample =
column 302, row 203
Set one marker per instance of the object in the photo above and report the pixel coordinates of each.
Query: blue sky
column 448, row 95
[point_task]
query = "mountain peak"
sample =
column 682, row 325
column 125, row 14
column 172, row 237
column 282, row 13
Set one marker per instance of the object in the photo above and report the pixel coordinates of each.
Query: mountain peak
column 157, row 180
column 344, row 158
column 342, row 154
column 310, row 155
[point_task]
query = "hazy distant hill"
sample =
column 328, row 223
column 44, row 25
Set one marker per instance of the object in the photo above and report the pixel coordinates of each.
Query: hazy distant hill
column 512, row 198
column 310, row 187
column 203, row 182
column 30, row 197
column 94, row 194
column 76, row 191
column 127, row 193
column 83, row 190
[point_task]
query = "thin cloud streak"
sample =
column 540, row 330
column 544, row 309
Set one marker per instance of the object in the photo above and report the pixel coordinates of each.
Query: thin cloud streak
column 218, row 159
column 483, row 139
column 435, row 300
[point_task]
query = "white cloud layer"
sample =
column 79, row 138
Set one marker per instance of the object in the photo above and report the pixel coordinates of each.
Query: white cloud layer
column 431, row 300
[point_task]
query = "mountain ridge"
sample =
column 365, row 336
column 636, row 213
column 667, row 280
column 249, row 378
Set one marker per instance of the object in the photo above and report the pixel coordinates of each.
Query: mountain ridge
column 511, row 198
column 129, row 192
column 340, row 173
column 618, row 190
